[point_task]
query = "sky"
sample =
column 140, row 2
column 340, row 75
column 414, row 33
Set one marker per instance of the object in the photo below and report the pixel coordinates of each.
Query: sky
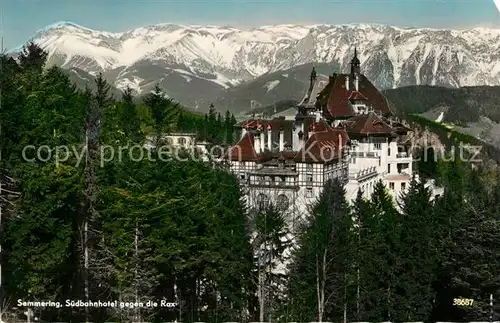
column 20, row 19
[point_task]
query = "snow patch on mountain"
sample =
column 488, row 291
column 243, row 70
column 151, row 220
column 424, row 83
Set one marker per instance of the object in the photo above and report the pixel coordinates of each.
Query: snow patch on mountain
column 227, row 56
column 187, row 78
column 133, row 83
column 271, row 85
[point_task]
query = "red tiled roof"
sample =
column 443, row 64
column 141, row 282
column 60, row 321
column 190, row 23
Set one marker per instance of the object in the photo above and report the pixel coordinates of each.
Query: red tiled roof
column 368, row 124
column 335, row 97
column 323, row 145
column 274, row 124
column 356, row 95
column 244, row 149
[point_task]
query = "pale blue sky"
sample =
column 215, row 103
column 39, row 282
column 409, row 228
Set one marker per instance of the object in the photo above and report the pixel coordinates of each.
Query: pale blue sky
column 22, row 18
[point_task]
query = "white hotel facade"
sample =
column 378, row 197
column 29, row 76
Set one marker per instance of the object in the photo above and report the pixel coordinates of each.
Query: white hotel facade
column 343, row 128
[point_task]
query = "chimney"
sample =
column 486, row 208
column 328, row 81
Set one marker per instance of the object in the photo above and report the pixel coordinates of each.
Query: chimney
column 318, row 115
column 257, row 143
column 269, row 138
column 301, row 140
column 312, row 128
column 356, row 82
column 262, row 141
column 282, row 139
column 347, row 83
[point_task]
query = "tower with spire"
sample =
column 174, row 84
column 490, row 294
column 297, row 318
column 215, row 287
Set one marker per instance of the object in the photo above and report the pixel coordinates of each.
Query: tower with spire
column 313, row 75
column 355, row 64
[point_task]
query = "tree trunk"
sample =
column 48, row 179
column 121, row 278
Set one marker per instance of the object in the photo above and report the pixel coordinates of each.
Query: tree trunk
column 136, row 287
column 262, row 282
column 86, row 268
column 318, row 291
column 357, row 296
column 261, row 293
column 320, row 285
column 345, row 296
column 389, row 310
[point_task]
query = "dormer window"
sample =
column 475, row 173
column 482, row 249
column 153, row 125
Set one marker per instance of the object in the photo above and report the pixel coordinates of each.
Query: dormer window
column 359, row 108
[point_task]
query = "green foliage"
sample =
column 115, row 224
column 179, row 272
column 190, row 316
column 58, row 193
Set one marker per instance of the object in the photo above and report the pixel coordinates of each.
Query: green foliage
column 179, row 230
column 451, row 138
column 157, row 230
column 32, row 57
column 322, row 268
column 409, row 262
column 466, row 104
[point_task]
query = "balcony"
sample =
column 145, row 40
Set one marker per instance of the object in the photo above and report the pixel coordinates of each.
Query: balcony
column 361, row 154
column 363, row 174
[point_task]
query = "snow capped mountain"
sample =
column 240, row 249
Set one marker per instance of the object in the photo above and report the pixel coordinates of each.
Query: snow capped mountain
column 213, row 58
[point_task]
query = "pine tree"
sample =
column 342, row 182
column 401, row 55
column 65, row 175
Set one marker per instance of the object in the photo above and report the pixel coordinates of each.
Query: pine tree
column 158, row 105
column 379, row 257
column 93, row 252
column 32, row 57
column 361, row 214
column 129, row 120
column 324, row 260
column 469, row 266
column 418, row 253
column 269, row 244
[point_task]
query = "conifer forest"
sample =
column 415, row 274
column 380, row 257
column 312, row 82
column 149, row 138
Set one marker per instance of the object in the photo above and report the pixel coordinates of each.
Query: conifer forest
column 179, row 231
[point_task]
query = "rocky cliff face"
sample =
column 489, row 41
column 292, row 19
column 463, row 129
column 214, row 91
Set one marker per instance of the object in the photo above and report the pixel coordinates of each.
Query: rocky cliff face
column 475, row 153
column 194, row 61
column 421, row 137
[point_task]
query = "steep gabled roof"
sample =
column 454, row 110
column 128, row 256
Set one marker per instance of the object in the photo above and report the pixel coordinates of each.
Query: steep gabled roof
column 322, row 147
column 323, row 144
column 312, row 92
column 367, row 124
column 244, row 149
column 358, row 96
column 335, row 97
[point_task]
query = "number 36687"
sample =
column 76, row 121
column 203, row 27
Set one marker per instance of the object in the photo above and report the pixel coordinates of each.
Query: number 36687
column 463, row 301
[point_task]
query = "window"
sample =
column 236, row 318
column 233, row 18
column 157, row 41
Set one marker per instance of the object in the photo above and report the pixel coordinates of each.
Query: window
column 309, row 192
column 391, row 185
column 377, row 146
column 181, row 141
column 309, row 178
column 353, row 160
column 262, row 201
column 170, row 141
column 282, row 202
column 403, row 186
column 388, row 151
column 389, row 168
column 309, row 168
column 242, row 175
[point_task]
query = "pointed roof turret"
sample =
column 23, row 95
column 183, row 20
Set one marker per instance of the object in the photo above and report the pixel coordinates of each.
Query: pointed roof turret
column 313, row 73
column 355, row 64
column 355, row 59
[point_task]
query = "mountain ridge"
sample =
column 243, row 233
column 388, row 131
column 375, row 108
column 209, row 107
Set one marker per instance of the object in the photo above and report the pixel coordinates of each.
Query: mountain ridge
column 196, row 64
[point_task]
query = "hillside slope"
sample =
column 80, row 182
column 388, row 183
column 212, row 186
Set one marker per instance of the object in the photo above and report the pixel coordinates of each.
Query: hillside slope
column 196, row 62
